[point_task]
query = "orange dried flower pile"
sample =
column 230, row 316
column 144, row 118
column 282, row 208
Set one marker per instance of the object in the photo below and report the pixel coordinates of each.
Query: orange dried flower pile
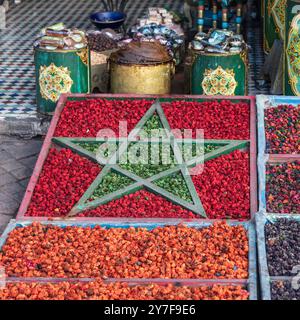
column 214, row 252
column 97, row 290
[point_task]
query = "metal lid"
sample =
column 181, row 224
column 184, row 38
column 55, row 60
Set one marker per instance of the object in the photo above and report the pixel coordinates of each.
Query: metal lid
column 141, row 53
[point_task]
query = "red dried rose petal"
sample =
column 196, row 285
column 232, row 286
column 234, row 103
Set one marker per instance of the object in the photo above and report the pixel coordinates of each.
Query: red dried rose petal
column 86, row 118
column 64, row 179
column 219, row 120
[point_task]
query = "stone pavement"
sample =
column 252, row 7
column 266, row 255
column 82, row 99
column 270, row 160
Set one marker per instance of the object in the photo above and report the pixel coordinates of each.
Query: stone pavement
column 17, row 160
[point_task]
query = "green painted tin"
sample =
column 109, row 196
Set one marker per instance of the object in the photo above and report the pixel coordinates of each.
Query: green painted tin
column 60, row 71
column 219, row 74
column 274, row 22
column 291, row 69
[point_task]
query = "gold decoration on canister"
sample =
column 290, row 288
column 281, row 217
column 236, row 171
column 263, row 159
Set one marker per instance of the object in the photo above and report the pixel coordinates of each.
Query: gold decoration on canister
column 219, row 82
column 278, row 12
column 84, row 56
column 244, row 57
column 292, row 55
column 54, row 81
column 270, row 4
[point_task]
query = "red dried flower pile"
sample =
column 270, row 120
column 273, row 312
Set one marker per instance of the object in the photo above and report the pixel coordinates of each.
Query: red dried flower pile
column 64, row 179
column 141, row 204
column 85, row 118
column 219, row 120
column 216, row 252
column 224, row 186
column 97, row 290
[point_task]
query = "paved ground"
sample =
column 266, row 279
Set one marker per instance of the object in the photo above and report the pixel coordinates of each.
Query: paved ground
column 17, row 160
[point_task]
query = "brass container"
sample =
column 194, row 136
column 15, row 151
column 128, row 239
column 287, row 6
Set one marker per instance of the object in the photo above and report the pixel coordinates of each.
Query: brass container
column 141, row 79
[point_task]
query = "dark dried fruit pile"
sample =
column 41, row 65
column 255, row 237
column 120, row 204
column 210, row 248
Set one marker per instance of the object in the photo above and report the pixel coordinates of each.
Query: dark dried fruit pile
column 100, row 42
column 282, row 187
column 283, row 290
column 283, row 246
column 282, row 126
column 97, row 290
column 216, row 252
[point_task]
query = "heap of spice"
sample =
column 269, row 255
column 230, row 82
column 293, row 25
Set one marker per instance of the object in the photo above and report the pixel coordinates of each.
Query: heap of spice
column 282, row 127
column 98, row 290
column 102, row 40
column 140, row 52
column 282, row 187
column 219, row 251
column 220, row 120
column 283, row 290
column 283, row 246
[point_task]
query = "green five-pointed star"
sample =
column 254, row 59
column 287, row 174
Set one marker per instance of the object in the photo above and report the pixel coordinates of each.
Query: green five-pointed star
column 117, row 178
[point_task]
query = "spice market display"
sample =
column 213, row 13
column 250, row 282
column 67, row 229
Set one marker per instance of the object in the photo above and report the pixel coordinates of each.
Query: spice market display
column 170, row 169
column 98, row 188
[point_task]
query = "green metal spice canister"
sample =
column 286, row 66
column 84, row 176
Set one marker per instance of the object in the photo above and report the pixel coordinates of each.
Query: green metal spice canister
column 219, row 74
column 274, row 22
column 60, row 71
